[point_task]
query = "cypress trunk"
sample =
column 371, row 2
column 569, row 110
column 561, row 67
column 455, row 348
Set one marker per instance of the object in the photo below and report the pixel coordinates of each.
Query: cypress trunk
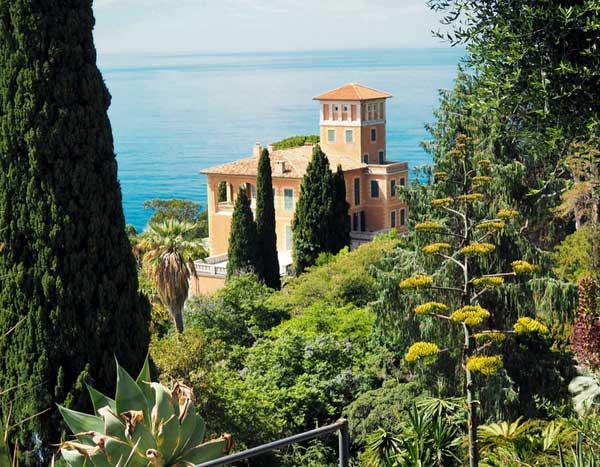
column 68, row 274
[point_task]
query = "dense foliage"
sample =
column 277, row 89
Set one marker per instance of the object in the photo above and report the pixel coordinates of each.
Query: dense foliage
column 266, row 237
column 320, row 223
column 182, row 210
column 241, row 255
column 295, row 141
column 513, row 189
column 68, row 275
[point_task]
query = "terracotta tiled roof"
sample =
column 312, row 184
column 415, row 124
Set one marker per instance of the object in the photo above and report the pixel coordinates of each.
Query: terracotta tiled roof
column 295, row 161
column 353, row 92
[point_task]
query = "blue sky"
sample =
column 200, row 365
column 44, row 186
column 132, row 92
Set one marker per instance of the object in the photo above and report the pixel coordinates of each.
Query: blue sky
column 180, row 26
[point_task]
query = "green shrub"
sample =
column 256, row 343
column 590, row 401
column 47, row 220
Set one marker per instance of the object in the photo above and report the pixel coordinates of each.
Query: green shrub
column 379, row 408
column 235, row 315
column 295, row 141
column 342, row 279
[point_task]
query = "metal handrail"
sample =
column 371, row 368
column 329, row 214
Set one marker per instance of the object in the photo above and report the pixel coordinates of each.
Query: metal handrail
column 341, row 426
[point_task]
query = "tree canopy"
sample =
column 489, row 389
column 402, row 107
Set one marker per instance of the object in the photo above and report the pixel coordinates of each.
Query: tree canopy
column 68, row 274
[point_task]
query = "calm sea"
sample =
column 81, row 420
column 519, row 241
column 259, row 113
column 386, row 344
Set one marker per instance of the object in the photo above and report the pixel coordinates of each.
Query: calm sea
column 172, row 116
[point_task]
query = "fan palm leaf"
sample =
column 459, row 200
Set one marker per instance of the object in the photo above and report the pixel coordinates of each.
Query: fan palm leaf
column 168, row 262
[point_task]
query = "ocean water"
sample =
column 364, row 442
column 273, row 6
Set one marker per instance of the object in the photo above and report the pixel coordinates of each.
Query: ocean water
column 172, row 116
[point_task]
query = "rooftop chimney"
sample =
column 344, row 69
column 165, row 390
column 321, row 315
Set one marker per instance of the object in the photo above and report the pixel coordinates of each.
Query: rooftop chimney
column 279, row 167
column 256, row 152
column 271, row 148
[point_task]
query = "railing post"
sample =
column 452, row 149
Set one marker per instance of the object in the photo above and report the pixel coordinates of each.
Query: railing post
column 344, row 442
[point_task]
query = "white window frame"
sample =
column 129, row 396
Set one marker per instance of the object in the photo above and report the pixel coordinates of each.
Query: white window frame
column 351, row 133
column 285, row 198
column 330, row 131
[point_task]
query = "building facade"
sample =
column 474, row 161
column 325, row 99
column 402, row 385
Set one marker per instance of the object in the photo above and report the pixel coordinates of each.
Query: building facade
column 353, row 136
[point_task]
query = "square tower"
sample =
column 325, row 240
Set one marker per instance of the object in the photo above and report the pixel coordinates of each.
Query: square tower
column 352, row 123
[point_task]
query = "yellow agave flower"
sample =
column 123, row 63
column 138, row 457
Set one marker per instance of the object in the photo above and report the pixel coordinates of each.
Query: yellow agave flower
column 436, row 248
column 488, row 282
column 431, row 307
column 490, row 336
column 478, row 249
column 521, row 267
column 484, row 364
column 529, row 325
column 416, row 282
column 491, row 225
column 442, row 202
column 507, row 214
column 428, row 226
column 471, row 315
column 470, row 197
column 420, row 350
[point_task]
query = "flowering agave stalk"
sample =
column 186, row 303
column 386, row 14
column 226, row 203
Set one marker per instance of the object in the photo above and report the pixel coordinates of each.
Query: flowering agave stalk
column 146, row 425
column 466, row 245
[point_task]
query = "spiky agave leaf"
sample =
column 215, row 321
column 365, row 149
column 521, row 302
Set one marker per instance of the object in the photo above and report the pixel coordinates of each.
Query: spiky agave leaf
column 167, row 434
column 99, row 400
column 212, row 449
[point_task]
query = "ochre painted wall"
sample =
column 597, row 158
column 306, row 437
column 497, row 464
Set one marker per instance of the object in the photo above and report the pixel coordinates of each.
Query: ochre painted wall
column 205, row 285
column 219, row 215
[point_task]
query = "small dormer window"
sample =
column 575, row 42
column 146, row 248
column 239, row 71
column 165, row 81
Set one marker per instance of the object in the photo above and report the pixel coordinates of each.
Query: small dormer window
column 336, row 108
column 345, row 108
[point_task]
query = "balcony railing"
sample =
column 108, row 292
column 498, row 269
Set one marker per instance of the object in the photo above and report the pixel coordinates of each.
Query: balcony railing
column 343, row 440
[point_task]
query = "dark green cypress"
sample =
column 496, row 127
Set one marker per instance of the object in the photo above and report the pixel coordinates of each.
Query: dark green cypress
column 312, row 218
column 266, row 237
column 68, row 276
column 341, row 221
column 241, row 255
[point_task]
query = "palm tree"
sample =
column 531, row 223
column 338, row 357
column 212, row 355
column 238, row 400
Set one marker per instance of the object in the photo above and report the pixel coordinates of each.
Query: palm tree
column 169, row 263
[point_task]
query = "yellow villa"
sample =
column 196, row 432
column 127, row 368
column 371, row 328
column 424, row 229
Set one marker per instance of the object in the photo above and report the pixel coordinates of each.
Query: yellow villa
column 353, row 136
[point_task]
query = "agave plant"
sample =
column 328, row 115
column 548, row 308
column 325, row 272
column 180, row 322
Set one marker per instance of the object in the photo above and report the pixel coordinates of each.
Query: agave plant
column 146, row 425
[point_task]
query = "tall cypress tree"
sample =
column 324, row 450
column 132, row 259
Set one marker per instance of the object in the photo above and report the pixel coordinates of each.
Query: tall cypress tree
column 340, row 222
column 312, row 218
column 241, row 255
column 68, row 277
column 268, row 263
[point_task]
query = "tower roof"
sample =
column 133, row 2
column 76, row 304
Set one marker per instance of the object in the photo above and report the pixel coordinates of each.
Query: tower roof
column 352, row 92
